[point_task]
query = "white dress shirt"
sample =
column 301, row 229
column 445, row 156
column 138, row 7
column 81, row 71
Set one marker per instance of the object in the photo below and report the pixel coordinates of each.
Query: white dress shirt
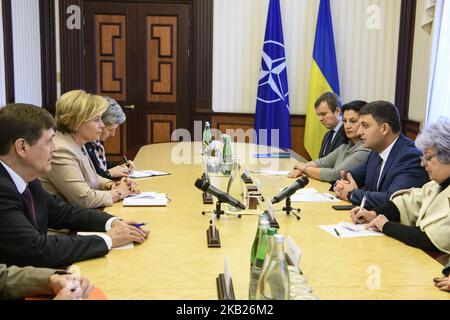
column 385, row 155
column 21, row 186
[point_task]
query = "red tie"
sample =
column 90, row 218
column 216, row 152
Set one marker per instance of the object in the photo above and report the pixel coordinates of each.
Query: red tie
column 28, row 198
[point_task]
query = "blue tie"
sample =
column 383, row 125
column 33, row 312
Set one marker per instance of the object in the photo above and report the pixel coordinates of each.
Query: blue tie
column 376, row 174
column 327, row 144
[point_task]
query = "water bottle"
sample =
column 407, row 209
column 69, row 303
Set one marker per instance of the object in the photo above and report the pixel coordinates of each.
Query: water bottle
column 235, row 188
column 227, row 155
column 259, row 261
column 206, row 138
column 274, row 281
column 262, row 220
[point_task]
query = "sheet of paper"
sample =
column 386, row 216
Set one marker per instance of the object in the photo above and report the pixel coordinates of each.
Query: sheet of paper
column 227, row 274
column 136, row 174
column 129, row 245
column 349, row 230
column 146, row 199
column 312, row 195
column 270, row 172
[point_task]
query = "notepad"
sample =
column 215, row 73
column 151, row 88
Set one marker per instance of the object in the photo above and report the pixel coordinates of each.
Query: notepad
column 349, row 230
column 136, row 174
column 312, row 195
column 146, row 199
column 129, row 245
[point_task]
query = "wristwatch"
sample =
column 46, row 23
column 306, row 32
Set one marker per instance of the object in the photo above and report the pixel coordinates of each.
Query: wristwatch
column 349, row 195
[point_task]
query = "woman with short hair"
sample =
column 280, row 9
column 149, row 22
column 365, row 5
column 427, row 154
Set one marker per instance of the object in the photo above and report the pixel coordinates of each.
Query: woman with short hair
column 420, row 217
column 346, row 157
column 112, row 118
column 73, row 176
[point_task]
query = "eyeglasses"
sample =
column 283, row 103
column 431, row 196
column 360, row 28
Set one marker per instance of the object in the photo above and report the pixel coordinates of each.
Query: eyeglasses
column 427, row 158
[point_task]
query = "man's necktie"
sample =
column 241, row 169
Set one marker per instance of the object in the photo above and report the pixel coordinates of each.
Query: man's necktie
column 28, row 199
column 377, row 172
column 327, row 143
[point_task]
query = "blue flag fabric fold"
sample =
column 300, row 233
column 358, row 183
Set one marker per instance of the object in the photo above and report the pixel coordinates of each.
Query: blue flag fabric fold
column 272, row 118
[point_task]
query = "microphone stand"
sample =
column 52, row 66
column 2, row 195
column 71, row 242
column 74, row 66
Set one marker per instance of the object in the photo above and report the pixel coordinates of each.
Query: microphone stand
column 218, row 211
column 290, row 210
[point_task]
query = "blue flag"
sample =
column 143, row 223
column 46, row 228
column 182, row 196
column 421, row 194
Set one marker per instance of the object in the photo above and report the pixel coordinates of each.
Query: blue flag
column 272, row 104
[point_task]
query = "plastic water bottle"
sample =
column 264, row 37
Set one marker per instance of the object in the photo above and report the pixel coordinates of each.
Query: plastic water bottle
column 274, row 282
column 259, row 261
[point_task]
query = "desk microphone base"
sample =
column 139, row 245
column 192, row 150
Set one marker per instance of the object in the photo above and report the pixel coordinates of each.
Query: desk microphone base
column 212, row 235
column 272, row 221
column 222, row 288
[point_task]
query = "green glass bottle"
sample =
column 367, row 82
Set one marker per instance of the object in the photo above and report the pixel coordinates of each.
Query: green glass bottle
column 227, row 155
column 206, row 138
column 259, row 261
column 262, row 218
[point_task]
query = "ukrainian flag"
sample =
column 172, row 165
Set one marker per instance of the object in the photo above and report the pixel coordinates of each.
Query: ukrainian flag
column 324, row 77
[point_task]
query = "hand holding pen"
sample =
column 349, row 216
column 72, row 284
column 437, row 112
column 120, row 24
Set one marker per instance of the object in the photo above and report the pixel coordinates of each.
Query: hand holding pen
column 360, row 215
column 128, row 164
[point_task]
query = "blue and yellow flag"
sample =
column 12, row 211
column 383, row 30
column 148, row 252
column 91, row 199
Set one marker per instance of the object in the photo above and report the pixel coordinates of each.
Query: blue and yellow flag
column 324, row 77
column 272, row 104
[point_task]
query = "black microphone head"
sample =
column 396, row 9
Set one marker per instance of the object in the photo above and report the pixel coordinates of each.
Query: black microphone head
column 303, row 181
column 202, row 184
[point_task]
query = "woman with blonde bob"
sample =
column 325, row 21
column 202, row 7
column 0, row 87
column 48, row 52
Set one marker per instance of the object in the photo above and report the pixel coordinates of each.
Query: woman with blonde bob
column 73, row 176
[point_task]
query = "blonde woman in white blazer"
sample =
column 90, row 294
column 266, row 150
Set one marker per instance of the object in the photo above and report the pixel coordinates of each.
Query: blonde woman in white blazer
column 420, row 217
column 73, row 176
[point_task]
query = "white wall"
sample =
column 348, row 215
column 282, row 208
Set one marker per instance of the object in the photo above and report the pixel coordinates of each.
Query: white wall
column 366, row 58
column 2, row 62
column 27, row 51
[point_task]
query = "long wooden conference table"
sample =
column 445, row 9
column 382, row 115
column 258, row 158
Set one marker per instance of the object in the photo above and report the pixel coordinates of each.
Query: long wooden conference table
column 175, row 262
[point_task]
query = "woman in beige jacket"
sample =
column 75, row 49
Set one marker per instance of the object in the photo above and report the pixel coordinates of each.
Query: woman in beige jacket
column 73, row 176
column 420, row 217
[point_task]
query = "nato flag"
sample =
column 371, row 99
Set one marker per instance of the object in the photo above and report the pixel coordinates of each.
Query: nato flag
column 272, row 105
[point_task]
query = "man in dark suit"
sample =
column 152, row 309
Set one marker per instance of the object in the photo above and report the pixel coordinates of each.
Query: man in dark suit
column 393, row 164
column 27, row 210
column 329, row 113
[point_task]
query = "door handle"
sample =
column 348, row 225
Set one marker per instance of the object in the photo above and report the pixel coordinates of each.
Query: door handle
column 129, row 107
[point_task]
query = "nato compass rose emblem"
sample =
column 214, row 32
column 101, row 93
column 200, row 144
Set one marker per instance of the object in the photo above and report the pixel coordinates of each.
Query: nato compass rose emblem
column 273, row 86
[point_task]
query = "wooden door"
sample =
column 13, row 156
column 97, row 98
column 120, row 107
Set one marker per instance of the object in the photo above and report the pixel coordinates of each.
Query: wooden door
column 138, row 54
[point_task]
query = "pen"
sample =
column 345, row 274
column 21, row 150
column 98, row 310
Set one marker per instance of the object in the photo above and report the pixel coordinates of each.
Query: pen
column 338, row 234
column 125, row 159
column 138, row 225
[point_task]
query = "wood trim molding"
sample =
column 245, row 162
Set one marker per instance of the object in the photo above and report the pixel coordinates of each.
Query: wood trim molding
column 203, row 11
column 48, row 53
column 405, row 56
column 8, row 51
column 72, row 53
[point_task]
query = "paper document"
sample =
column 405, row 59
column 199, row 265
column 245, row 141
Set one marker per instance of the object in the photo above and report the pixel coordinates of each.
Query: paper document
column 350, row 230
column 270, row 172
column 136, row 174
column 129, row 245
column 146, row 199
column 312, row 195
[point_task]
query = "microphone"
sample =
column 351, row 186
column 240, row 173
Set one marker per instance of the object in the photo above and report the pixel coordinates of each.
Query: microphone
column 222, row 196
column 289, row 191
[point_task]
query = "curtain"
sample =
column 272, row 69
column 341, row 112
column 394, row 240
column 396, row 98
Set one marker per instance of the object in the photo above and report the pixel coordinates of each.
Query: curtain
column 439, row 83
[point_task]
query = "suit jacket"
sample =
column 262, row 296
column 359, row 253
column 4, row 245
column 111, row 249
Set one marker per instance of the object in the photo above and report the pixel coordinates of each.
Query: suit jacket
column 73, row 176
column 24, row 243
column 16, row 283
column 339, row 139
column 401, row 171
column 429, row 209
